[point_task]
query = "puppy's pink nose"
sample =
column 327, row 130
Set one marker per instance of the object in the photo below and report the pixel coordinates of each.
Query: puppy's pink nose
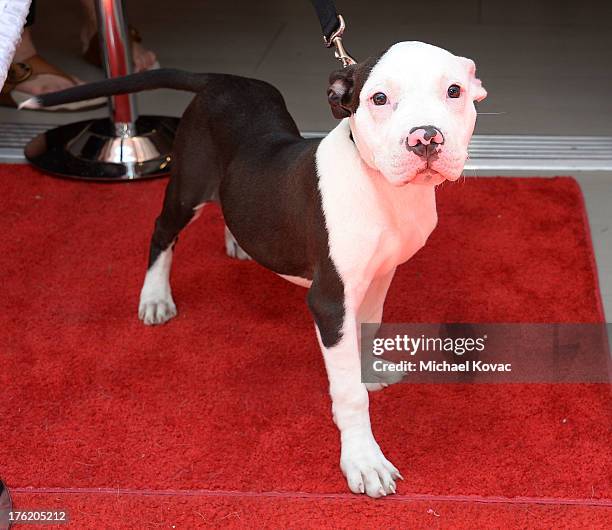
column 423, row 140
column 424, row 135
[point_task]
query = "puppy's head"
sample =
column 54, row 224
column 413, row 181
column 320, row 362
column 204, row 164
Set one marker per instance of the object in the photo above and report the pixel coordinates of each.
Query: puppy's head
column 411, row 111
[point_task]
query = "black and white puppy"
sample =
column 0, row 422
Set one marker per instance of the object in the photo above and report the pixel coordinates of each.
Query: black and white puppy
column 336, row 215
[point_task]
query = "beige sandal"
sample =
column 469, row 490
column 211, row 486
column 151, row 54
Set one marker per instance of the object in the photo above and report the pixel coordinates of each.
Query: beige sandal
column 19, row 72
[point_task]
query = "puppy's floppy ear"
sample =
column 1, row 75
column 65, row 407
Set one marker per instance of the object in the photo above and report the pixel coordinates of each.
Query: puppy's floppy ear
column 340, row 92
column 477, row 91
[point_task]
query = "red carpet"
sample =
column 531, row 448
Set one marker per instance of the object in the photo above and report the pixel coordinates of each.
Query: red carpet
column 222, row 416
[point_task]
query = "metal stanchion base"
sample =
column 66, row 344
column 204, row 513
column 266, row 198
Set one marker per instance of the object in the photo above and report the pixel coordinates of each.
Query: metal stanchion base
column 100, row 150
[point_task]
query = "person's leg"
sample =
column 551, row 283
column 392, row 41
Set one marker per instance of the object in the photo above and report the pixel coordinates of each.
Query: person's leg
column 38, row 83
column 31, row 75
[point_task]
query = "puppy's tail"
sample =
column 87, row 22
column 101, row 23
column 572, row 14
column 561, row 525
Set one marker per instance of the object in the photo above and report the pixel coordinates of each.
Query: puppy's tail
column 149, row 80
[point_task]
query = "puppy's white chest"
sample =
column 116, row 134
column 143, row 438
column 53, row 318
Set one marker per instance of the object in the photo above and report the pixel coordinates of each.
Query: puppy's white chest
column 372, row 225
column 411, row 220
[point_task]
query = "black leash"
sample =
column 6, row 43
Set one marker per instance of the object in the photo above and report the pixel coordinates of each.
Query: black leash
column 333, row 26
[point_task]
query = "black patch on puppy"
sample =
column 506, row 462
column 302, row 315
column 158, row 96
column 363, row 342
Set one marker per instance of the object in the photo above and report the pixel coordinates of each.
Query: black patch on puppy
column 238, row 144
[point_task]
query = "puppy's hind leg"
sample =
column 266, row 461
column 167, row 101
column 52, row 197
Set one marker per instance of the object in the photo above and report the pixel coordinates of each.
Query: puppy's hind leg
column 156, row 305
column 195, row 180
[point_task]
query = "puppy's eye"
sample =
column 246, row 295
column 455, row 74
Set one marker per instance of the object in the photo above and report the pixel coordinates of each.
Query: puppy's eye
column 379, row 98
column 454, row 91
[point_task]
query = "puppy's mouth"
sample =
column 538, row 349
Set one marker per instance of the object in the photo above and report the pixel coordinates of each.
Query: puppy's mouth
column 426, row 169
column 431, row 171
column 424, row 175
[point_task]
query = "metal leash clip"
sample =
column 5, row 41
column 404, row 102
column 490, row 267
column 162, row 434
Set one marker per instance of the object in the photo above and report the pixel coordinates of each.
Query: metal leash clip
column 335, row 40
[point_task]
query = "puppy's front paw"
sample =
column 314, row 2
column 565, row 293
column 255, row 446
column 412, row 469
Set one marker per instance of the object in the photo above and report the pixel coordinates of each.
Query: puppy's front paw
column 156, row 310
column 366, row 469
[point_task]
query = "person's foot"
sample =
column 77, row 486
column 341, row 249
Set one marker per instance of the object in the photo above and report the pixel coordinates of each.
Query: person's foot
column 41, row 83
column 30, row 75
column 142, row 58
column 45, row 83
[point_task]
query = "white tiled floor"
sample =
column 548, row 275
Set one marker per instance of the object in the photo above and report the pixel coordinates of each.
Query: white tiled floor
column 546, row 64
column 597, row 191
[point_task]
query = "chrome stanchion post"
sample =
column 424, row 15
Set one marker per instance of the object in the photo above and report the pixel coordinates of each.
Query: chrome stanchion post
column 123, row 147
column 117, row 59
